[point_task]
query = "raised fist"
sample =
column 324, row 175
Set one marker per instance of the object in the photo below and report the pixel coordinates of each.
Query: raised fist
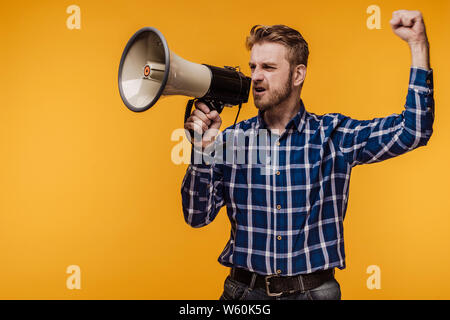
column 409, row 26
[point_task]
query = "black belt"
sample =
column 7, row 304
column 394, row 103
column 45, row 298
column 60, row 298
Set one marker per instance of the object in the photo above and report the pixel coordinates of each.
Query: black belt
column 276, row 285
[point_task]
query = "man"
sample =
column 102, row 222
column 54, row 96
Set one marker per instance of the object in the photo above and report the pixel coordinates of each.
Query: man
column 287, row 215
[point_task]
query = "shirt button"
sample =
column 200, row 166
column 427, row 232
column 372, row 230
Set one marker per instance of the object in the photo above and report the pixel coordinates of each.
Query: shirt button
column 428, row 81
column 279, row 237
column 278, row 271
column 428, row 109
column 278, row 207
column 278, row 173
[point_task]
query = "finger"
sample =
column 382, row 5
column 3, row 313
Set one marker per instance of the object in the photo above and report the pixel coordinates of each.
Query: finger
column 213, row 115
column 407, row 21
column 402, row 18
column 215, row 118
column 410, row 17
column 417, row 18
column 194, row 126
column 395, row 21
column 201, row 115
column 203, row 107
column 197, row 120
column 210, row 135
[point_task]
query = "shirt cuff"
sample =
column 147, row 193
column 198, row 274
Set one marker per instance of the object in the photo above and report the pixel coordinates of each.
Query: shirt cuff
column 421, row 80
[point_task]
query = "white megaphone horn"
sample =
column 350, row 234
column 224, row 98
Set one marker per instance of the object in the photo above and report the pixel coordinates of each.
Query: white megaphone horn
column 148, row 70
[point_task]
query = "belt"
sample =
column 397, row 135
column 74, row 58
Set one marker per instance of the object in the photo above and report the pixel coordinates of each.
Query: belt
column 276, row 285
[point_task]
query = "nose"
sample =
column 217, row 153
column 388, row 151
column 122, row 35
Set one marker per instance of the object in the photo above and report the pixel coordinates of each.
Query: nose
column 257, row 75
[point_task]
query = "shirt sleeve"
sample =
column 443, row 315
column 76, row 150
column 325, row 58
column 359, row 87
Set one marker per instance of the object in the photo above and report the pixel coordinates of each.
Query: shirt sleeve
column 202, row 189
column 375, row 140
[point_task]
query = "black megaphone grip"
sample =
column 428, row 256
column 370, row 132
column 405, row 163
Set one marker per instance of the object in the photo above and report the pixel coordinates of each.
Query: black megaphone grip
column 210, row 104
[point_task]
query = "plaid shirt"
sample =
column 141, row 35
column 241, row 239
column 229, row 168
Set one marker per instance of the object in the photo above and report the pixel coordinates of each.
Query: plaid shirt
column 287, row 216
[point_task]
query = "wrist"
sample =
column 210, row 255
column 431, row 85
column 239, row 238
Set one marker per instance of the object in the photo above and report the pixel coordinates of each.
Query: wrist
column 420, row 54
column 419, row 44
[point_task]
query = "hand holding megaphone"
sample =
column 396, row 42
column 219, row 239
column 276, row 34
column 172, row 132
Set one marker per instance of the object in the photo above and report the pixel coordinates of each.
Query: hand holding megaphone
column 205, row 122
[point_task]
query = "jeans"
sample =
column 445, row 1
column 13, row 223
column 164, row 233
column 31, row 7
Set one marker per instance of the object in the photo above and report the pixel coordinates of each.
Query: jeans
column 234, row 290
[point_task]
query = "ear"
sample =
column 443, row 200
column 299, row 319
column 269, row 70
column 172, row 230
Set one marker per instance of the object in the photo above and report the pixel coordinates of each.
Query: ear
column 299, row 75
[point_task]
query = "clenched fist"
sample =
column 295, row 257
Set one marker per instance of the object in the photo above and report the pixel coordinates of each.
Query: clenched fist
column 409, row 26
column 203, row 122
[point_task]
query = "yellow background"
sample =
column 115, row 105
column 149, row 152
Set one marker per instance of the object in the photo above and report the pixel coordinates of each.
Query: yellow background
column 84, row 181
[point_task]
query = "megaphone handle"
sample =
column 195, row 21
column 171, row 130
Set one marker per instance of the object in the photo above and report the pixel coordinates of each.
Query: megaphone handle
column 187, row 113
column 213, row 105
column 218, row 107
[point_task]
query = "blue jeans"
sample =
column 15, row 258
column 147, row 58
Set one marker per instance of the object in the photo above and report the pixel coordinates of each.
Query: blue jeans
column 234, row 290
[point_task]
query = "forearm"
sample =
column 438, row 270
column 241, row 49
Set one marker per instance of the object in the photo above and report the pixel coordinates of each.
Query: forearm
column 419, row 108
column 420, row 55
column 201, row 194
column 379, row 139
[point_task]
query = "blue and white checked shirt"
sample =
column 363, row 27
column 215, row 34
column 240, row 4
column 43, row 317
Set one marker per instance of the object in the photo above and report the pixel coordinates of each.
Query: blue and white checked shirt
column 288, row 220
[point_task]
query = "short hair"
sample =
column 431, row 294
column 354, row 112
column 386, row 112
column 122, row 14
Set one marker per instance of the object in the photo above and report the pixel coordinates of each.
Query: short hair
column 292, row 39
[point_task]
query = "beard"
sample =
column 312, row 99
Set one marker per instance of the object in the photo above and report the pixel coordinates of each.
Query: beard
column 278, row 96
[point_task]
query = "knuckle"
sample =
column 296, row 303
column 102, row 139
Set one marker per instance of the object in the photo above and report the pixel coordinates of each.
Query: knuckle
column 199, row 111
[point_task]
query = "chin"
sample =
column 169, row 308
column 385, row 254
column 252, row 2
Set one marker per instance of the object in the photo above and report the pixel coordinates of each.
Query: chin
column 262, row 107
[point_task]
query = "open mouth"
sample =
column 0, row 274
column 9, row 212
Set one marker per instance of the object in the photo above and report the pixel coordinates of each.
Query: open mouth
column 259, row 90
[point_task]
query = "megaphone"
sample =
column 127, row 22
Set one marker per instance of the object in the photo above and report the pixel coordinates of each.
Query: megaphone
column 148, row 71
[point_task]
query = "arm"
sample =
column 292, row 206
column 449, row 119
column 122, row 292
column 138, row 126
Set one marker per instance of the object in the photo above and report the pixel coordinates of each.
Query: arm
column 383, row 138
column 202, row 186
column 202, row 194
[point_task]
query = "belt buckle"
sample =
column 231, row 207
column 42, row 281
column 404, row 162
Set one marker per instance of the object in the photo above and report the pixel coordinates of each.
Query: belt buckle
column 270, row 294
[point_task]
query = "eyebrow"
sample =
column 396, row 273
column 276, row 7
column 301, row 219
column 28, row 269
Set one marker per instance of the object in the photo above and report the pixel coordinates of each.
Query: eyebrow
column 264, row 64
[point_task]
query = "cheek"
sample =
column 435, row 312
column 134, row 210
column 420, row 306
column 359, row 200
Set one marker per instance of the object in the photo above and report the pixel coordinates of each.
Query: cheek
column 272, row 80
column 275, row 82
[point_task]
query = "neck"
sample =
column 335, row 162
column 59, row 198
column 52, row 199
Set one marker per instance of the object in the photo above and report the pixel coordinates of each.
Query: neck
column 278, row 117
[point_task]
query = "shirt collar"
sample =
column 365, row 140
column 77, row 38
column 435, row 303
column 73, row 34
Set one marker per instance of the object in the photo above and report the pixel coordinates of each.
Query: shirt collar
column 298, row 120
